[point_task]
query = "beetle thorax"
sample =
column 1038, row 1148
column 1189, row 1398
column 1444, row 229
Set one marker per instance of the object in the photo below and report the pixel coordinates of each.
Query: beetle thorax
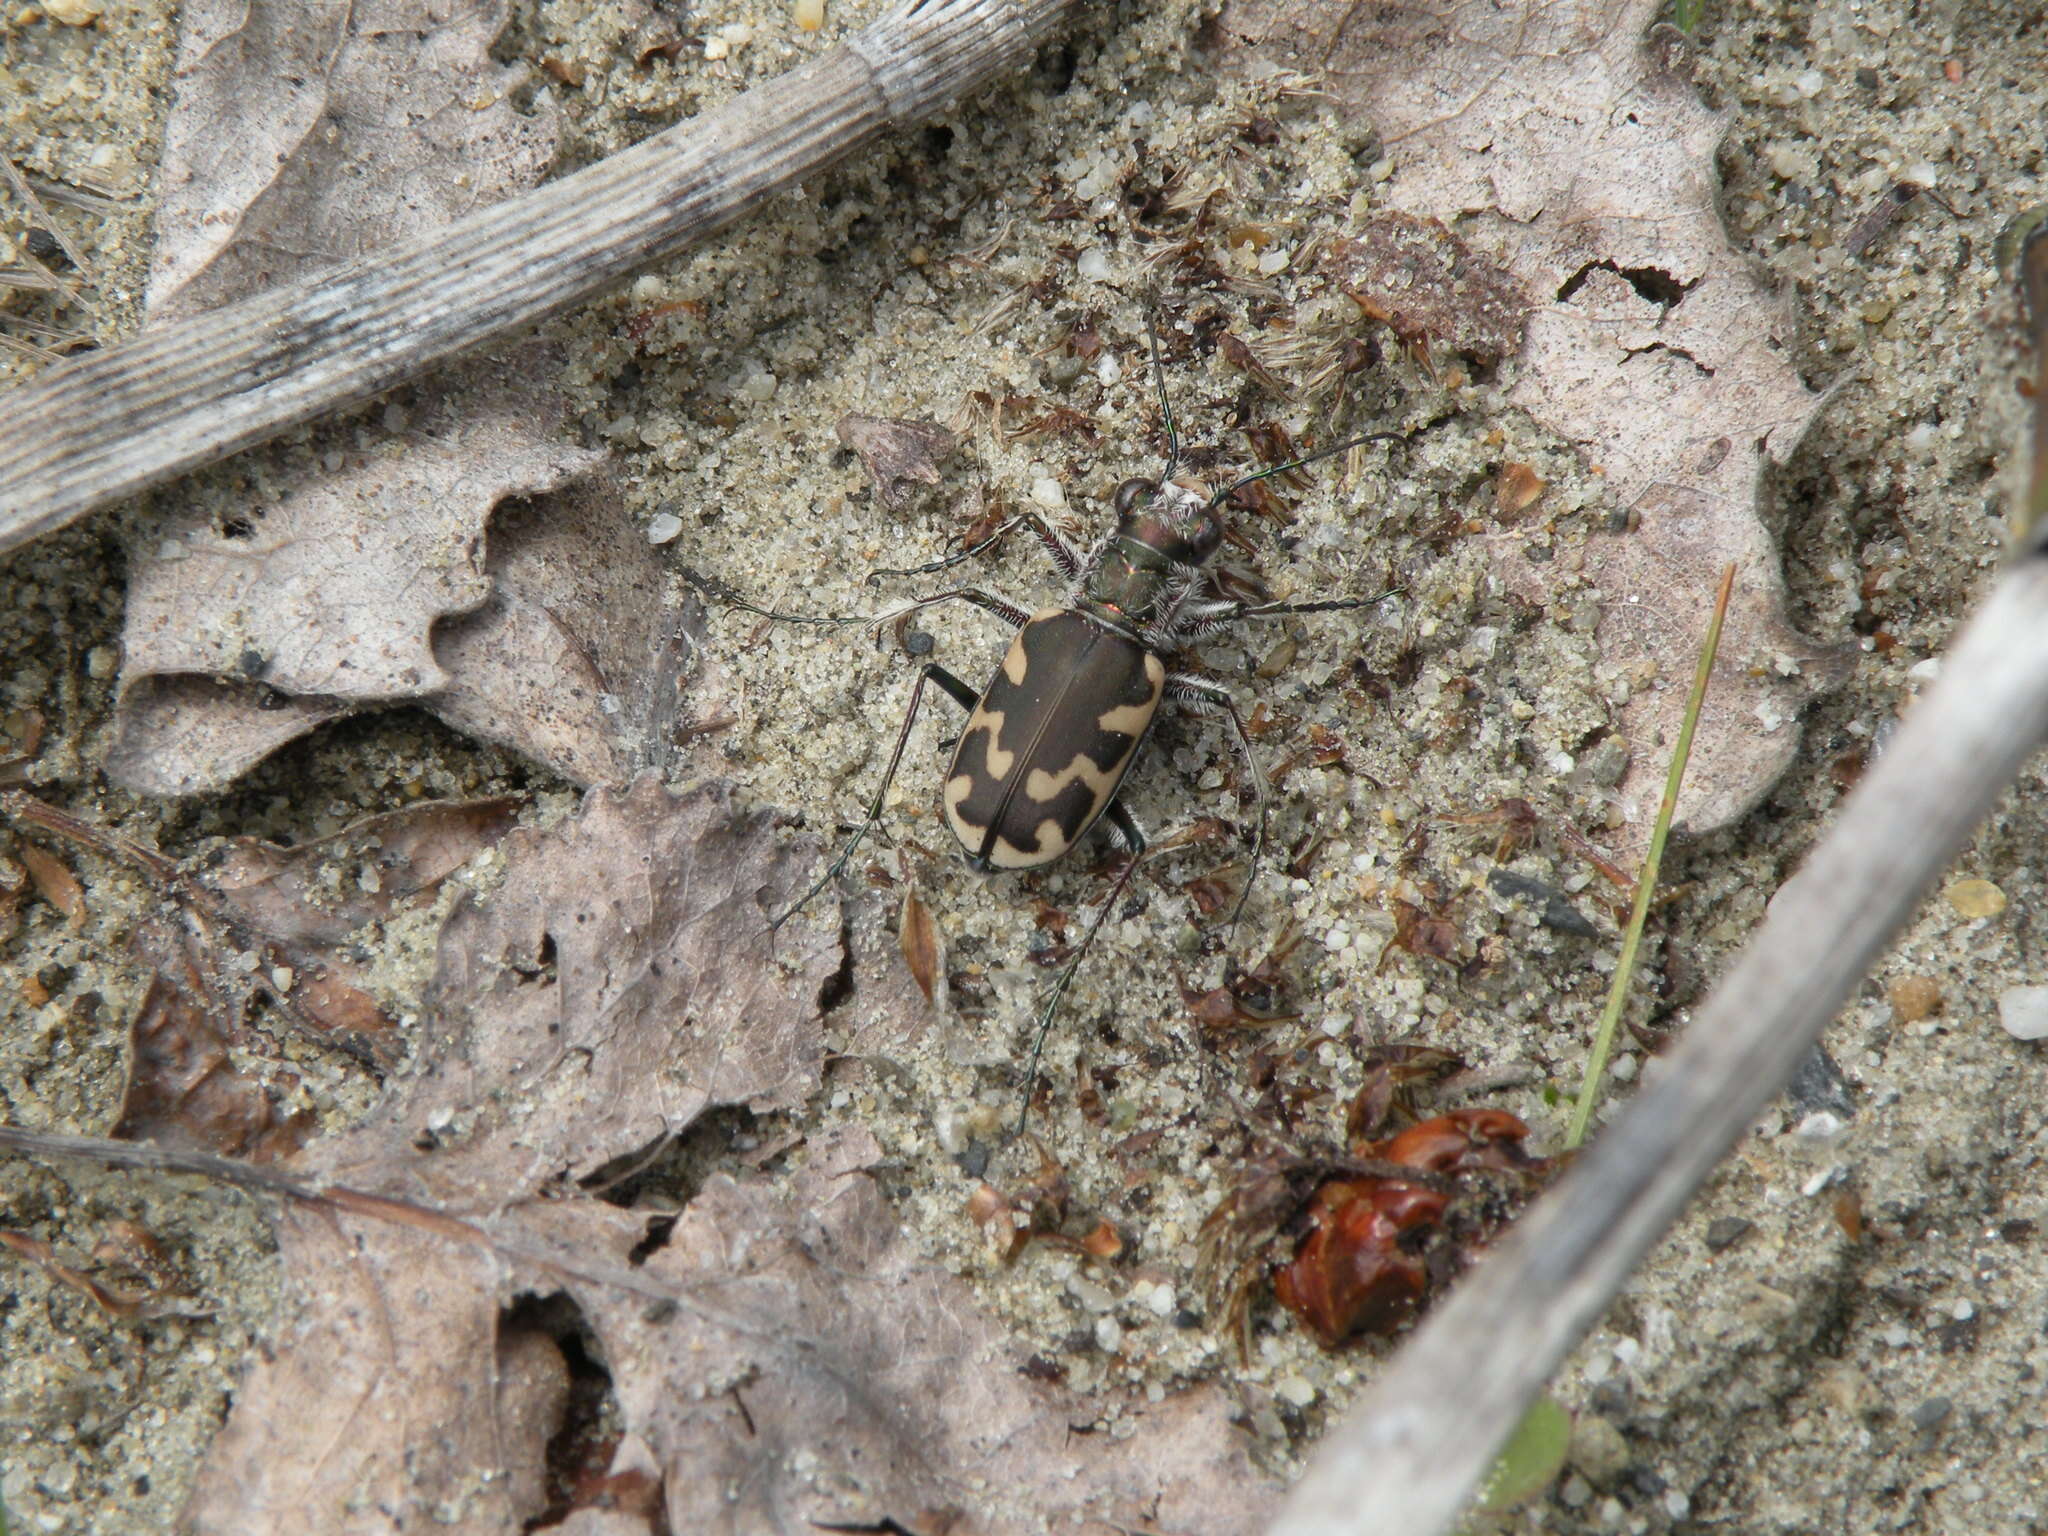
column 1164, row 533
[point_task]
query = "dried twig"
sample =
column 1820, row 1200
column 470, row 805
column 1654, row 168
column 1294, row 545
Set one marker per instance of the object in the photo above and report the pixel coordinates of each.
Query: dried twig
column 107, row 425
column 1412, row 1452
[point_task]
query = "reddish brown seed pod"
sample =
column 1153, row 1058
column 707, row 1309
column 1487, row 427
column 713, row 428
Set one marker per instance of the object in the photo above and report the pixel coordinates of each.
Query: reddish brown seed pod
column 1351, row 1274
column 1363, row 1263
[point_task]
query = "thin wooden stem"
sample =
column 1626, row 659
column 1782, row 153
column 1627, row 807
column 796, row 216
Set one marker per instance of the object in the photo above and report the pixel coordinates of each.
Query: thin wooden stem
column 1422, row 1440
column 106, row 425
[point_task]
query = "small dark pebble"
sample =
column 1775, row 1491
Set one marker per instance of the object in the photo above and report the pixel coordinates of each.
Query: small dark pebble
column 974, row 1160
column 1818, row 1084
column 1038, row 1368
column 1868, row 79
column 1556, row 909
column 1958, row 1337
column 1643, row 1483
column 55, row 977
column 659, row 1310
column 1932, row 1413
column 1724, row 1232
column 44, row 247
column 1612, row 1399
column 917, row 642
column 1080, row 1342
column 1187, row 1318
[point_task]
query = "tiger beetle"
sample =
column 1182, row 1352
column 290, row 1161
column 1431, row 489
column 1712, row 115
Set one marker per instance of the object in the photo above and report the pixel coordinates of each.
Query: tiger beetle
column 1049, row 740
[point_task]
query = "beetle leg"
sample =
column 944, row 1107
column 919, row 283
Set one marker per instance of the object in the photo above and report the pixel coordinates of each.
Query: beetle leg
column 1009, row 613
column 1201, row 697
column 1332, row 605
column 962, row 695
column 1063, row 554
column 1130, row 837
column 1200, row 621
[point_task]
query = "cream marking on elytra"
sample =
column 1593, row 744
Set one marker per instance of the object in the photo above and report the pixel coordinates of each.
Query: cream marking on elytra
column 999, row 762
column 1040, row 785
column 1007, row 855
column 1129, row 719
column 1016, row 663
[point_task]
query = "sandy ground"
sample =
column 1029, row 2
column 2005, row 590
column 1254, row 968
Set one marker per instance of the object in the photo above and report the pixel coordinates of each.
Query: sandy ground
column 1845, row 1333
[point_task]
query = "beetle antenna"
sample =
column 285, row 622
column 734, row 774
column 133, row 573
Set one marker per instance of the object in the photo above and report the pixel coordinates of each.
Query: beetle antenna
column 1165, row 406
column 1308, row 458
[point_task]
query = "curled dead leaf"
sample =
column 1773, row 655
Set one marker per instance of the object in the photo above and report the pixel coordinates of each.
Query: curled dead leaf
column 919, row 937
column 899, row 455
column 53, row 881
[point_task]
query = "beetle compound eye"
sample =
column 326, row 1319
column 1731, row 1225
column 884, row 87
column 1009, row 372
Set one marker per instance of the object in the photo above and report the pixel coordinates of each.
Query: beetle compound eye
column 1206, row 536
column 1132, row 493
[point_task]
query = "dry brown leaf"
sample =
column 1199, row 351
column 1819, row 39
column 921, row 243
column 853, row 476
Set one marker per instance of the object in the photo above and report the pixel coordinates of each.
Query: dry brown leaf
column 899, row 455
column 580, row 657
column 920, row 941
column 184, row 1086
column 357, row 570
column 782, row 1360
column 1563, row 151
column 293, row 126
column 319, row 892
column 53, row 881
column 198, row 1074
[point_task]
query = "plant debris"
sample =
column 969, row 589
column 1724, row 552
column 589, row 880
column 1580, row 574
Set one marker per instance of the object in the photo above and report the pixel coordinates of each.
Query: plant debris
column 364, row 568
column 1575, row 170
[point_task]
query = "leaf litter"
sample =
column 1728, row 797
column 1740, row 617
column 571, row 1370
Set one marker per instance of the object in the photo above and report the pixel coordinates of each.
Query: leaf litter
column 1575, row 163
column 779, row 1355
column 251, row 919
column 377, row 1264
column 370, row 564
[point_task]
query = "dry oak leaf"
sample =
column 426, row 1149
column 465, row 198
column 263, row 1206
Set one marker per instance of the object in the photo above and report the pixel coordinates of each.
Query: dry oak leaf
column 1564, row 151
column 198, row 1075
column 830, row 1378
column 581, row 656
column 780, row 1360
column 310, row 580
column 618, row 983
column 309, row 132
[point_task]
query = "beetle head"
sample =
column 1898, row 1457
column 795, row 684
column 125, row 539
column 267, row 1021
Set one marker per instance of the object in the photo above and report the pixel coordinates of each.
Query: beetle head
column 1179, row 521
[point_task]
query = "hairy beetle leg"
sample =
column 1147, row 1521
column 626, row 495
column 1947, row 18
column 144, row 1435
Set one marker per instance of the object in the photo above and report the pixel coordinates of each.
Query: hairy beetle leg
column 1063, row 554
column 965, row 697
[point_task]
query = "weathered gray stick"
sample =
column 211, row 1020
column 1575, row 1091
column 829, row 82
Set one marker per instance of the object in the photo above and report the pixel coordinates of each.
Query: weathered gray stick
column 1416, row 1447
column 110, row 424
